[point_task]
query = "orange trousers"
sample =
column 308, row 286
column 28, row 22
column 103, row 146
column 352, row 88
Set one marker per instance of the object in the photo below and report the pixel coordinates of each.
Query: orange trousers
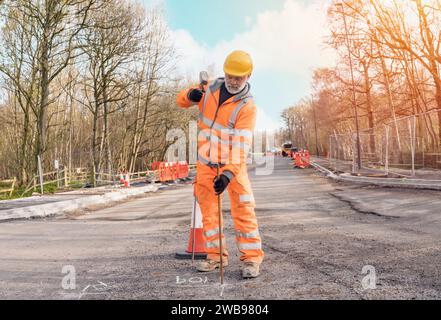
column 242, row 202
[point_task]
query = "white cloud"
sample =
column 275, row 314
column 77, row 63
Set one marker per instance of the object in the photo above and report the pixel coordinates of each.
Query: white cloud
column 289, row 41
column 248, row 21
column 192, row 57
column 265, row 122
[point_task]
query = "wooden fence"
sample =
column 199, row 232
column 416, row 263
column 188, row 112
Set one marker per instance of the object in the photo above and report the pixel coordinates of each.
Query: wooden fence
column 10, row 189
column 63, row 178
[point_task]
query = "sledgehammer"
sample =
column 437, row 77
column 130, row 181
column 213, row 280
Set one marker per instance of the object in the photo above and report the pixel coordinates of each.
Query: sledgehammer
column 220, row 232
column 203, row 81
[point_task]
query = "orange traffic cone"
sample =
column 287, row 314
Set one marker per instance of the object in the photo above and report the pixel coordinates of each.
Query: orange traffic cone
column 196, row 238
column 121, row 178
column 127, row 181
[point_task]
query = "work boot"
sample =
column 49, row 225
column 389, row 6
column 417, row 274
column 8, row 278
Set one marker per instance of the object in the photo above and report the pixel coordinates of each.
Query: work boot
column 250, row 269
column 209, row 265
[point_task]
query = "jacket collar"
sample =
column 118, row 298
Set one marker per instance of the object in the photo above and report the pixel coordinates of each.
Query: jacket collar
column 244, row 94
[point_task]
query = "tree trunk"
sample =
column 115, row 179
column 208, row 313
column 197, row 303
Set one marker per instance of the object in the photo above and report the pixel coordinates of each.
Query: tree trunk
column 369, row 109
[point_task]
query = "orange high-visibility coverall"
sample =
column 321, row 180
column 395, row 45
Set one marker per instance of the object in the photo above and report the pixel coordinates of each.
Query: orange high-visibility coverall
column 224, row 139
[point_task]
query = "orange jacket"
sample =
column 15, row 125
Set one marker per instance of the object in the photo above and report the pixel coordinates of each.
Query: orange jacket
column 225, row 132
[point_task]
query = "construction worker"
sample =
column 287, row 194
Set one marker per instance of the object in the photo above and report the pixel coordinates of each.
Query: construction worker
column 226, row 123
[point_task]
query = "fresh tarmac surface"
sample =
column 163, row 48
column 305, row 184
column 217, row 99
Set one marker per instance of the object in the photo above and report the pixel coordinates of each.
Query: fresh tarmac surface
column 318, row 237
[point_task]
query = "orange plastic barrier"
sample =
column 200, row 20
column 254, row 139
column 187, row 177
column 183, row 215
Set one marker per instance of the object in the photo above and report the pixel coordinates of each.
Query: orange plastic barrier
column 302, row 159
column 155, row 165
column 183, row 169
column 170, row 171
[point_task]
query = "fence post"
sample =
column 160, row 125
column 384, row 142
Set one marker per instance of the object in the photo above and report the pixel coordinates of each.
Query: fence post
column 65, row 178
column 40, row 172
column 381, row 146
column 354, row 146
column 337, row 147
column 386, row 162
column 412, row 143
column 13, row 186
column 330, row 150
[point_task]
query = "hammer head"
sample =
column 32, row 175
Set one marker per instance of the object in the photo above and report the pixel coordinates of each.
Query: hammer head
column 203, row 78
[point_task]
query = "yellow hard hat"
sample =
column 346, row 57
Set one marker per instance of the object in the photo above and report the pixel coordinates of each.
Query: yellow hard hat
column 238, row 63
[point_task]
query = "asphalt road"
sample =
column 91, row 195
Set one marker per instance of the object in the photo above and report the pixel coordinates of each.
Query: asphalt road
column 322, row 240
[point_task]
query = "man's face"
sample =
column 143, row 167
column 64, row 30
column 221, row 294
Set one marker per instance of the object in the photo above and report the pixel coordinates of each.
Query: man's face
column 235, row 84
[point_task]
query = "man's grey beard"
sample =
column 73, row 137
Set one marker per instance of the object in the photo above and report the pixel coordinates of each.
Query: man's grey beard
column 232, row 91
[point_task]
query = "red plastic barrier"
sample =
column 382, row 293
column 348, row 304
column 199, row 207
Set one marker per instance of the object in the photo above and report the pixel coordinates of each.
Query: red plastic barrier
column 155, row 165
column 183, row 169
column 170, row 171
column 162, row 172
column 173, row 171
column 302, row 159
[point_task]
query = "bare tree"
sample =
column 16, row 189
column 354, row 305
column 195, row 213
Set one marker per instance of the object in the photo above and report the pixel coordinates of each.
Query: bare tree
column 153, row 68
column 423, row 45
column 110, row 44
column 47, row 32
column 19, row 70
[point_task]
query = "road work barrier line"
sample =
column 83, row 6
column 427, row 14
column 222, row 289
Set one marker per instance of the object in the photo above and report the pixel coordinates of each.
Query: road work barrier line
column 324, row 170
column 170, row 171
column 383, row 182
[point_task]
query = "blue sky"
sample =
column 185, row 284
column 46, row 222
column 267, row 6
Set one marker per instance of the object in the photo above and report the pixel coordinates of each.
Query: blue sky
column 284, row 38
column 214, row 21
